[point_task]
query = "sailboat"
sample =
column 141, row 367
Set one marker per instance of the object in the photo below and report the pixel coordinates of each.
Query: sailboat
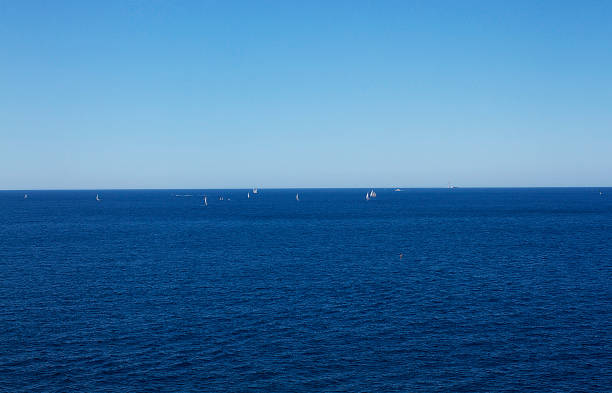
column 98, row 198
column 205, row 201
column 25, row 196
column 297, row 197
column 248, row 195
column 372, row 194
column 255, row 190
column 367, row 196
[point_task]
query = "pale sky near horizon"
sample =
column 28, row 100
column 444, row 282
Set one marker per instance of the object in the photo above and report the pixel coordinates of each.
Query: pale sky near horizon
column 214, row 94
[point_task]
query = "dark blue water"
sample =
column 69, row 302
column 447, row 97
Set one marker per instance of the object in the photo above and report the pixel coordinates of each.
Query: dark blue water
column 497, row 290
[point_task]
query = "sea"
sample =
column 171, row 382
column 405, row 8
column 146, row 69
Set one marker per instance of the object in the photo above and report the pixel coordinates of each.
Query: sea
column 419, row 290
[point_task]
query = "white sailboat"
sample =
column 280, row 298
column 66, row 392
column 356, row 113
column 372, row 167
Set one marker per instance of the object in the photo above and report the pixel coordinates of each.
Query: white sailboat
column 248, row 195
column 255, row 190
column 367, row 196
column 372, row 194
column 98, row 198
column 205, row 201
column 25, row 196
column 297, row 197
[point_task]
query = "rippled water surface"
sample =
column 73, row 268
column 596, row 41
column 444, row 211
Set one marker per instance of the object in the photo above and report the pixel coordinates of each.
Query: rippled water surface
column 497, row 290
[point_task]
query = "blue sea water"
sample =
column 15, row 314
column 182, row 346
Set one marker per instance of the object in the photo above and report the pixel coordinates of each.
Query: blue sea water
column 497, row 290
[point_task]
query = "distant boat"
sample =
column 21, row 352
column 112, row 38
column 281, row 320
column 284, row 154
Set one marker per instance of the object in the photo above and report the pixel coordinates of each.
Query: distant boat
column 248, row 195
column 98, row 198
column 25, row 196
column 297, row 197
column 372, row 194
column 220, row 198
column 205, row 201
column 397, row 189
column 255, row 190
column 367, row 196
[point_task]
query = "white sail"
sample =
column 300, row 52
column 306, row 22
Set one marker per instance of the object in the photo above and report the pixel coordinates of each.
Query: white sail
column 98, row 198
column 372, row 194
column 297, row 197
column 25, row 196
column 367, row 196
column 205, row 201
column 255, row 190
column 248, row 195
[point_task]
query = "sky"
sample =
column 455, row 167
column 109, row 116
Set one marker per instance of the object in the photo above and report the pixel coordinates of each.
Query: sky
column 236, row 94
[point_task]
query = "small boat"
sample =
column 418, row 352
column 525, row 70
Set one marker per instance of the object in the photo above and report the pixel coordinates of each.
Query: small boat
column 205, row 201
column 372, row 194
column 248, row 195
column 220, row 198
column 98, row 198
column 397, row 189
column 25, row 196
column 297, row 197
column 255, row 190
column 367, row 196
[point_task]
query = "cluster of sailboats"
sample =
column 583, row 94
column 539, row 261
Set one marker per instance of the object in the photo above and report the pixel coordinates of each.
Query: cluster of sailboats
column 255, row 192
column 369, row 195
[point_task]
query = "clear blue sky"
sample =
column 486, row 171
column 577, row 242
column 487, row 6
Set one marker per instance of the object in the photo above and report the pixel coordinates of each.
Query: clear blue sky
column 160, row 94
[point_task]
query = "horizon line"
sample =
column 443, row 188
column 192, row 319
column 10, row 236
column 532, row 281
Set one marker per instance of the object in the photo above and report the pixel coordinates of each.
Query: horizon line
column 291, row 188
